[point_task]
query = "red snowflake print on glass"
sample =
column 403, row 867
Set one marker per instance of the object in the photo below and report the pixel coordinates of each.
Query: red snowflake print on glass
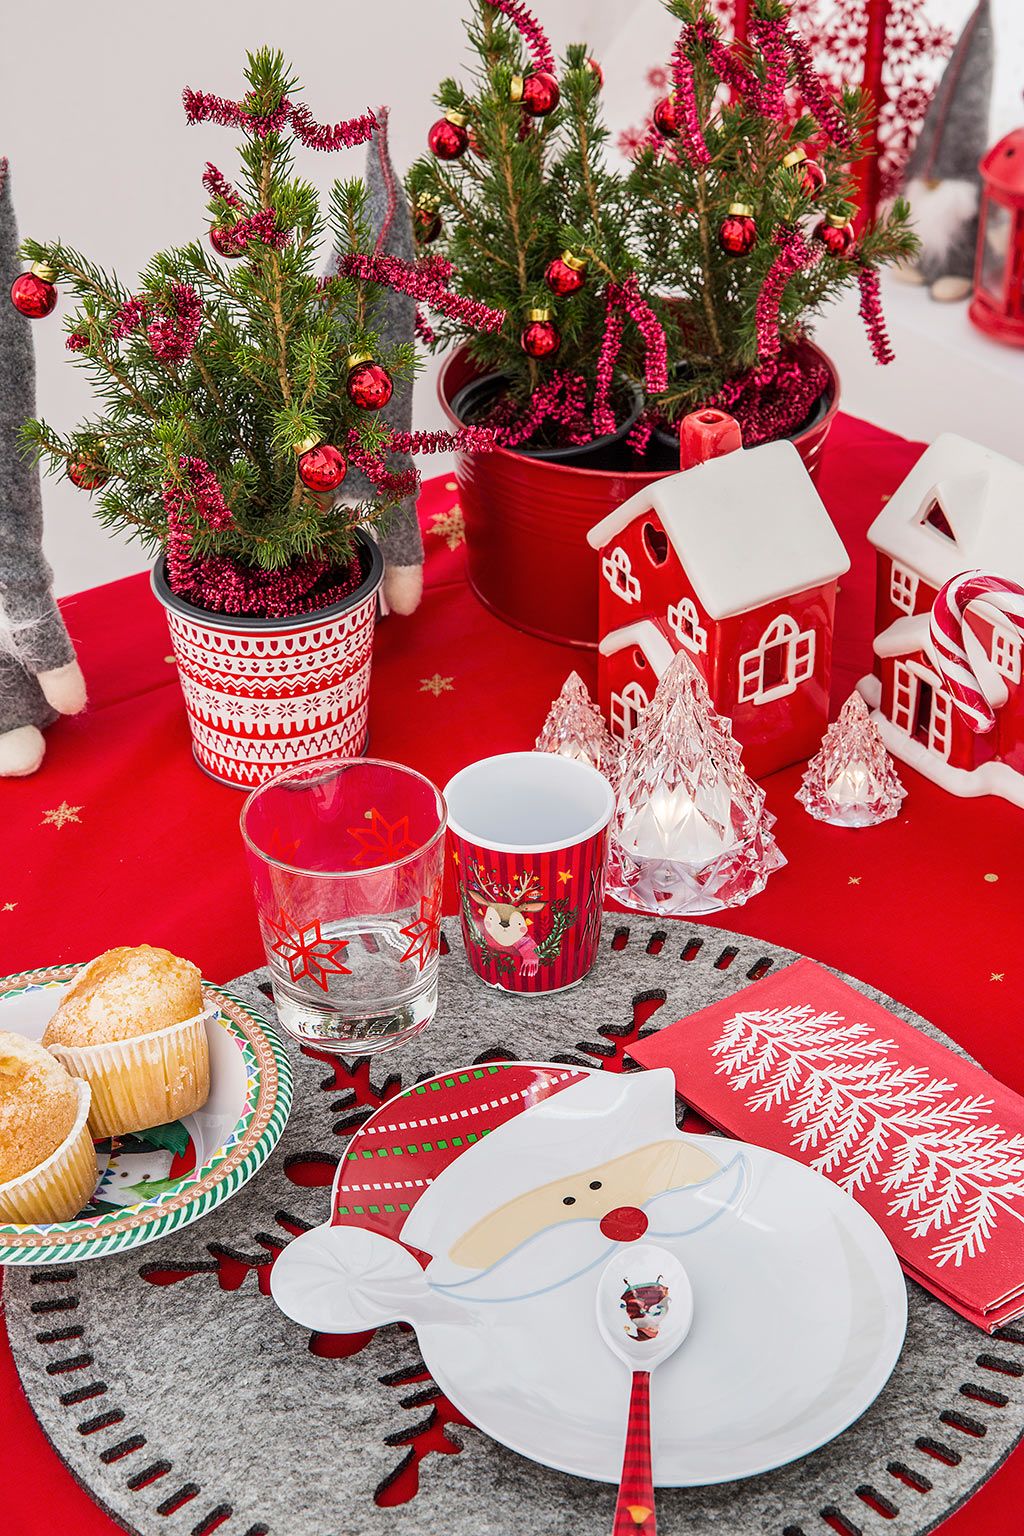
column 306, row 951
column 347, row 859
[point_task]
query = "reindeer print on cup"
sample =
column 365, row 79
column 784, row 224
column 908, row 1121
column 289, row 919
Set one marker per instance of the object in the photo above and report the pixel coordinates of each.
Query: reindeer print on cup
column 528, row 834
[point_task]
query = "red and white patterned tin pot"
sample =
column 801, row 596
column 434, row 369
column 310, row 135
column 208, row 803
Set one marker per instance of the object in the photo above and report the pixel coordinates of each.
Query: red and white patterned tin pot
column 265, row 694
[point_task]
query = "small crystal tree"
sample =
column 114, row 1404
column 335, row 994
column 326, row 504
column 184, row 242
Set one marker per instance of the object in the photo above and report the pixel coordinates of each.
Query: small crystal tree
column 690, row 831
column 851, row 781
column 575, row 728
column 232, row 381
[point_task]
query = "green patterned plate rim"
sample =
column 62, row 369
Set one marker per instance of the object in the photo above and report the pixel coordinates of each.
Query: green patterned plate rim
column 268, row 1099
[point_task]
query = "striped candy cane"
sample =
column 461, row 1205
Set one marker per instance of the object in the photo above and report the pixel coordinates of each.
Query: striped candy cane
column 947, row 637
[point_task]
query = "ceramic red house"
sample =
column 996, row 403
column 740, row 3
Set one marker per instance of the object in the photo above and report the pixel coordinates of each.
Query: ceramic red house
column 736, row 561
column 960, row 508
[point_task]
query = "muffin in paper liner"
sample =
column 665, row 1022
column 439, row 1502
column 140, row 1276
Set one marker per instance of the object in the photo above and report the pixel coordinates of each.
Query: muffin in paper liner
column 57, row 1188
column 146, row 1080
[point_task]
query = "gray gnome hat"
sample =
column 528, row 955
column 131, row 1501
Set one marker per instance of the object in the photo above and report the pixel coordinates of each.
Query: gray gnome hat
column 32, row 634
column 954, row 134
column 388, row 212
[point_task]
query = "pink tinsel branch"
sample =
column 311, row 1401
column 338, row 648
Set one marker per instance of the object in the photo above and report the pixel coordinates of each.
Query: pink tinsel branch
column 128, row 317
column 424, row 329
column 425, row 281
column 465, row 440
column 560, row 399
column 260, row 226
column 396, row 484
column 77, row 341
column 611, row 344
column 870, row 311
column 174, row 332
column 345, row 135
column 770, row 38
column 815, row 93
column 531, row 31
column 794, row 256
column 684, row 102
column 219, row 186
column 202, row 107
column 627, row 296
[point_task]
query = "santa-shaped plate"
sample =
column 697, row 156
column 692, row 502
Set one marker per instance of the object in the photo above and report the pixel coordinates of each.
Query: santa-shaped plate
column 483, row 1207
column 155, row 1183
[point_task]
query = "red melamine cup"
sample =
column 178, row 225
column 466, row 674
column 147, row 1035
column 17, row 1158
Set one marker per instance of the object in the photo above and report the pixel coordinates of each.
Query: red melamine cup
column 528, row 834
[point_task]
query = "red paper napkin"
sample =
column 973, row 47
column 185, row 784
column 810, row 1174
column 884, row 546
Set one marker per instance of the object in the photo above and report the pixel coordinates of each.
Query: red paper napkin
column 932, row 1146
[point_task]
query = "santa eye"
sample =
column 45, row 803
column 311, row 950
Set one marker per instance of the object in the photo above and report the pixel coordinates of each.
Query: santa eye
column 569, row 1200
column 596, row 1184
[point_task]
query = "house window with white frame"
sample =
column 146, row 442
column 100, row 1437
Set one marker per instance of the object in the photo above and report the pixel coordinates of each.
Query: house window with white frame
column 903, row 587
column 1006, row 653
column 684, row 622
column 625, row 710
column 781, row 661
column 618, row 573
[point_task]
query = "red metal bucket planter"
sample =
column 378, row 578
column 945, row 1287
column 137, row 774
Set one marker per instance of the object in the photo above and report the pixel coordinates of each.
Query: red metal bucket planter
column 264, row 694
column 527, row 520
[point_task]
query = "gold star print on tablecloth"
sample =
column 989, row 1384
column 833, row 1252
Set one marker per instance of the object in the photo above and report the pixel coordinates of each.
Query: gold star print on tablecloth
column 61, row 815
column 853, row 880
column 437, row 685
column 8, row 906
column 450, row 526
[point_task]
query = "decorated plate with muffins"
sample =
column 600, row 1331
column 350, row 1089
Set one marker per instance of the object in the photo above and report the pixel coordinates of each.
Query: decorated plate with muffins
column 134, row 1098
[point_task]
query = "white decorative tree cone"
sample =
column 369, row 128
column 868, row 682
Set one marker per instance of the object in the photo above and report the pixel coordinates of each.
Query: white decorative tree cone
column 265, row 694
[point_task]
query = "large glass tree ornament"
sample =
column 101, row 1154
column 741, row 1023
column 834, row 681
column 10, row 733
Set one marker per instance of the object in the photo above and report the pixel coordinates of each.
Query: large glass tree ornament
column 575, row 728
column 690, row 831
column 851, row 781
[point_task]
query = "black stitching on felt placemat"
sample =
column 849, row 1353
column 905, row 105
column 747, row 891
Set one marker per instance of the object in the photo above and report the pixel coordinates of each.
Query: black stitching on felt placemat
column 174, row 1501
column 938, row 1450
column 910, row 1479
column 58, row 1335
column 82, row 1394
column 984, row 1395
column 150, row 1474
column 999, row 1363
column 840, row 1523
column 964, row 1423
column 101, row 1421
column 52, row 1274
column 54, row 1304
column 212, row 1519
column 71, row 1363
column 122, row 1448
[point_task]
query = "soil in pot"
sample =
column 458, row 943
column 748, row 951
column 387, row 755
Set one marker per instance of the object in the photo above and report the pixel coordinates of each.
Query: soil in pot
column 475, row 401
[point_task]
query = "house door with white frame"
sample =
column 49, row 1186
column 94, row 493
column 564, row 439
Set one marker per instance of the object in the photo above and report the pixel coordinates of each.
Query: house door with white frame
column 922, row 707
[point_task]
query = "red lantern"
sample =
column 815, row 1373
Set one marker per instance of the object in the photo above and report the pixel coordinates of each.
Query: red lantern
column 998, row 304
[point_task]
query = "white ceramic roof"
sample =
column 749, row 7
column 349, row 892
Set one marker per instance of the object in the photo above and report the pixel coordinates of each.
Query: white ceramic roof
column 749, row 528
column 982, row 496
column 645, row 634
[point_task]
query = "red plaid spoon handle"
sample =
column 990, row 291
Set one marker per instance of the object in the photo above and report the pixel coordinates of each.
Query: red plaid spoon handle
column 635, row 1510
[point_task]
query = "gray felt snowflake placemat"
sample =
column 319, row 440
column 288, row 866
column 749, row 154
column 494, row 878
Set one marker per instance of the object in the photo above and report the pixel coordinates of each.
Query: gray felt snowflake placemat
column 185, row 1403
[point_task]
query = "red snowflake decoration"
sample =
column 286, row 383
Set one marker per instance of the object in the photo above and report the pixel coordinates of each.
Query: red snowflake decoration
column 306, row 951
column 382, row 841
column 424, row 932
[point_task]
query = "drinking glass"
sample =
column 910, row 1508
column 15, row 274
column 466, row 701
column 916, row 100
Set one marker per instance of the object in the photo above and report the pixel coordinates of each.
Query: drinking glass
column 347, row 860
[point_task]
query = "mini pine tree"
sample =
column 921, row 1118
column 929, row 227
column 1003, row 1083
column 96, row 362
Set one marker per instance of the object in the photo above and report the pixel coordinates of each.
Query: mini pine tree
column 744, row 198
column 517, row 195
column 226, row 377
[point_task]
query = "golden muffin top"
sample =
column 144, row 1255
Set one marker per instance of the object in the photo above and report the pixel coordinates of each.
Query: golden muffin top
column 124, row 993
column 38, row 1105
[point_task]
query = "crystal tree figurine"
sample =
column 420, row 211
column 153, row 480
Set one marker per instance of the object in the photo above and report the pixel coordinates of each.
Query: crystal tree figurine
column 690, row 832
column 575, row 728
column 851, row 781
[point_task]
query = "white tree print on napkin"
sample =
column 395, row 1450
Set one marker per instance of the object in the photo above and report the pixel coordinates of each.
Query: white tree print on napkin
column 948, row 1169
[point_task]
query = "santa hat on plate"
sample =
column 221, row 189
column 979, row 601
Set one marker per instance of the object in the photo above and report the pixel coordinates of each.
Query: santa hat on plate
column 432, row 1161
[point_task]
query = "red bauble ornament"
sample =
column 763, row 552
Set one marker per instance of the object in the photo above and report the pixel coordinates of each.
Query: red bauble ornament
column 812, row 176
column 87, row 475
column 665, row 118
column 540, row 337
column 836, row 232
column 540, row 94
column 448, row 138
column 737, row 233
column 321, row 466
column 426, row 222
column 369, row 384
column 34, row 293
column 223, row 241
column 565, row 274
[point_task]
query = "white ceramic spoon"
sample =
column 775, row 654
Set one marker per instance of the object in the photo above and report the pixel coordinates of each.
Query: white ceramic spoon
column 644, row 1311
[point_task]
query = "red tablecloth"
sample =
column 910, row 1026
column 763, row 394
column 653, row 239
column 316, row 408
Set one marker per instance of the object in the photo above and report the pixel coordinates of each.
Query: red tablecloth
column 119, row 839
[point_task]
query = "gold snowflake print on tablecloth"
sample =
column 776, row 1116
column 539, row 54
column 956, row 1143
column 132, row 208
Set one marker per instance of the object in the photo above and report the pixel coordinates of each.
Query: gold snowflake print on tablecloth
column 437, row 685
column 450, row 526
column 61, row 815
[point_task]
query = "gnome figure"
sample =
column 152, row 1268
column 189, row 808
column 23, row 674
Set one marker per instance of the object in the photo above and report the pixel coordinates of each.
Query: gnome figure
column 39, row 676
column 941, row 180
column 400, row 538
column 485, row 1205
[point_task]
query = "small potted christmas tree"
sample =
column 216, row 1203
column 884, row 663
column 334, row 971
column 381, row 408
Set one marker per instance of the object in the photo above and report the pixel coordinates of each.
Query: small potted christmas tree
column 237, row 390
column 516, row 193
column 745, row 215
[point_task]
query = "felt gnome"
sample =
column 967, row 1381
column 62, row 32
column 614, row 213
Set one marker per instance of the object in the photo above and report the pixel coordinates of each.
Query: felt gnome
column 484, row 1205
column 39, row 676
column 400, row 538
column 941, row 180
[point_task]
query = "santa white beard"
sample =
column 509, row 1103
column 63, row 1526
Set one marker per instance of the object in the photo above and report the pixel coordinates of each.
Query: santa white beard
column 558, row 1254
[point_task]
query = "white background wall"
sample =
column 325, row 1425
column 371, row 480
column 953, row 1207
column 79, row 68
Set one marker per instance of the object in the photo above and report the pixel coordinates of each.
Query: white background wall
column 101, row 156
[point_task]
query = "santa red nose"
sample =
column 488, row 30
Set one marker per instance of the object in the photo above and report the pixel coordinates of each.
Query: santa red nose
column 625, row 1224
